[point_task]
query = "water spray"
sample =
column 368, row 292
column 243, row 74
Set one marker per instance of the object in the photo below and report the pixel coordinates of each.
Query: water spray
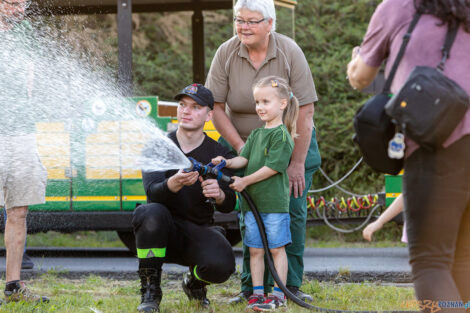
column 212, row 171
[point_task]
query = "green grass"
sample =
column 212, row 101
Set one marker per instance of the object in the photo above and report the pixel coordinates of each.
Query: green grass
column 325, row 237
column 106, row 295
column 317, row 237
column 91, row 239
column 340, row 244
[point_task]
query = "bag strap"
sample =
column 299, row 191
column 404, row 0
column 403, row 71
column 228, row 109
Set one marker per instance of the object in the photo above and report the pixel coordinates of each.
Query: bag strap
column 401, row 52
column 450, row 37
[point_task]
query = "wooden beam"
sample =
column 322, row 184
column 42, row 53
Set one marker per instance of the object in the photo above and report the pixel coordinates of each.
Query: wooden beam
column 197, row 23
column 124, row 21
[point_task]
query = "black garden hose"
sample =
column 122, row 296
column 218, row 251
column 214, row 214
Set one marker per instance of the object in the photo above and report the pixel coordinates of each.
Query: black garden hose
column 273, row 271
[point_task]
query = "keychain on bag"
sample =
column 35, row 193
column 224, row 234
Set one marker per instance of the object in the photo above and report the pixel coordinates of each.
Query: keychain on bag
column 396, row 146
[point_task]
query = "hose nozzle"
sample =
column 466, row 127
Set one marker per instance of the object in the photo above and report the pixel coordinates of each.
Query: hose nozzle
column 209, row 170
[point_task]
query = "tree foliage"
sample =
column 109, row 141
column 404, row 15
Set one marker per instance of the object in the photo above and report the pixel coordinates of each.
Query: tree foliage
column 327, row 31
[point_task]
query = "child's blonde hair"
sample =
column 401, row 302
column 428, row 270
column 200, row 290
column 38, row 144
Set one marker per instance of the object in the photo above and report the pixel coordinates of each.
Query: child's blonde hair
column 283, row 90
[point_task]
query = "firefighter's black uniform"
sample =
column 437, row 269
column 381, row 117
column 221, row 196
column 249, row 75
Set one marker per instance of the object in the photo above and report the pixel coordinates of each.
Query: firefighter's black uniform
column 177, row 227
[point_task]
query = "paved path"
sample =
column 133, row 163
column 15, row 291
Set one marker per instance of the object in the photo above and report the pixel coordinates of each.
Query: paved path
column 352, row 264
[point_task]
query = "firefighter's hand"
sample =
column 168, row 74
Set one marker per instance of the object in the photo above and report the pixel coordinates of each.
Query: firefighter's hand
column 180, row 179
column 211, row 189
column 238, row 184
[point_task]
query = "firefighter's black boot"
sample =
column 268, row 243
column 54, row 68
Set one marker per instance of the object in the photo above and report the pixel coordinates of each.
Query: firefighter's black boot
column 151, row 292
column 195, row 289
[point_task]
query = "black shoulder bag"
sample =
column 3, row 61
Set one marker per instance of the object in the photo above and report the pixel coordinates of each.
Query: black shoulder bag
column 374, row 128
column 429, row 106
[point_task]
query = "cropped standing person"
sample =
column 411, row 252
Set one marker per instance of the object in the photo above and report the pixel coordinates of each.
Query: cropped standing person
column 22, row 176
column 436, row 183
column 255, row 52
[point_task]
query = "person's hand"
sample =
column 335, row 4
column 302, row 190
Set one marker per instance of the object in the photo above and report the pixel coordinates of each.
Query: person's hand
column 180, row 179
column 371, row 229
column 186, row 178
column 355, row 52
column 217, row 160
column 296, row 173
column 211, row 189
column 238, row 184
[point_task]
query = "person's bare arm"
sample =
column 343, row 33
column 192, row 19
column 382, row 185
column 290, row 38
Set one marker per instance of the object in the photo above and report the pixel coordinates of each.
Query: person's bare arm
column 296, row 169
column 393, row 210
column 224, row 126
column 360, row 74
column 240, row 183
column 236, row 162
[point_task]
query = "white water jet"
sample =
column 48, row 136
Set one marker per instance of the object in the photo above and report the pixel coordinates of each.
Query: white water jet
column 80, row 119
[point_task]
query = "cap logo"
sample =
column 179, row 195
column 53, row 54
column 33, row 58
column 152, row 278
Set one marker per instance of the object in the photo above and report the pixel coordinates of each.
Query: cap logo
column 191, row 89
column 274, row 83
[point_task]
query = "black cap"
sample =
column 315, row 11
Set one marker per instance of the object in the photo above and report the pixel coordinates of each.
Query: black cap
column 198, row 93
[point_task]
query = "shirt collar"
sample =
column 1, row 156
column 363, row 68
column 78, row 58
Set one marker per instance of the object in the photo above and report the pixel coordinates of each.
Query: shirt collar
column 173, row 137
column 272, row 48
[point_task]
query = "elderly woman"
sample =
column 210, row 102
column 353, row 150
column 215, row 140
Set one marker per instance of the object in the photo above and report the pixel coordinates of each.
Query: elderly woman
column 436, row 183
column 255, row 52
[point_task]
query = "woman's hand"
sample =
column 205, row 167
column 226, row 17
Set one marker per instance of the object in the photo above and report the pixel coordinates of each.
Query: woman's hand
column 296, row 173
column 355, row 52
column 238, row 184
column 360, row 74
column 393, row 210
column 371, row 229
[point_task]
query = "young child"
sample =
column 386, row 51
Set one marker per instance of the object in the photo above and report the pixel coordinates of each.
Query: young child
column 265, row 157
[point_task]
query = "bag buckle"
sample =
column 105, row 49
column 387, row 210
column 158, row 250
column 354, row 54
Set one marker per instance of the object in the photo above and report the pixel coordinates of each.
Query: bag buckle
column 445, row 56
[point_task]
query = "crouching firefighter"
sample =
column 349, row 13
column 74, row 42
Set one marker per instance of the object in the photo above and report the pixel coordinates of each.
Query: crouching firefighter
column 175, row 226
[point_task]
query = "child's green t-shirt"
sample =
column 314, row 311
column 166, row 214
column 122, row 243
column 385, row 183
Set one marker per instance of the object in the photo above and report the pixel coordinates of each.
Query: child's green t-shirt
column 271, row 147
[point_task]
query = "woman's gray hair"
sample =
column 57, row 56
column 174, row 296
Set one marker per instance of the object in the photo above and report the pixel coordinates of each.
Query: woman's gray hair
column 265, row 7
